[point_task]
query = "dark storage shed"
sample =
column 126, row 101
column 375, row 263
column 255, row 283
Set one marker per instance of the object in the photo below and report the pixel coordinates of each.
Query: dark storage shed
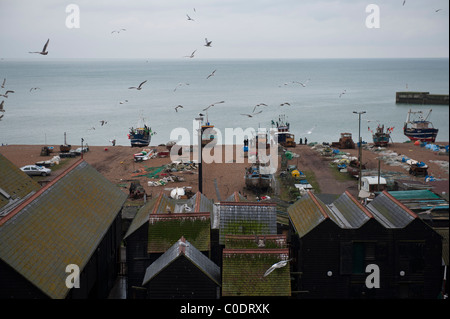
column 182, row 272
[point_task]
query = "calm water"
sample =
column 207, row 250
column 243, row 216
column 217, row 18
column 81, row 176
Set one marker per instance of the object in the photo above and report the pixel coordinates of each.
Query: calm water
column 75, row 95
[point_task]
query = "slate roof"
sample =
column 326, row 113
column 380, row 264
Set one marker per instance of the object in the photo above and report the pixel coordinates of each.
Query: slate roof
column 247, row 218
column 61, row 224
column 243, row 268
column 389, row 212
column 183, row 248
column 15, row 186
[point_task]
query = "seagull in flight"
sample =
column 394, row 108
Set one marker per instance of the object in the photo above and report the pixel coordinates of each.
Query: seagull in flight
column 43, row 52
column 260, row 104
column 118, row 31
column 122, row 102
column 213, row 105
column 3, row 84
column 208, row 43
column 211, row 74
column 343, row 92
column 190, row 56
column 189, row 18
column 285, row 103
column 437, row 10
column 404, row 1
column 139, row 87
column 251, row 115
column 1, row 106
column 180, row 84
column 36, row 88
column 177, row 107
column 301, row 83
column 6, row 93
column 103, row 122
column 279, row 264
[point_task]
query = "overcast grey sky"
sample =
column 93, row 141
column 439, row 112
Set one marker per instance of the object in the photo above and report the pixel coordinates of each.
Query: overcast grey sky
column 238, row 29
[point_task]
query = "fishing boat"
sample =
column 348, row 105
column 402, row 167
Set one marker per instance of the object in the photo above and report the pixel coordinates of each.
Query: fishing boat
column 141, row 135
column 285, row 138
column 65, row 147
column 419, row 128
column 381, row 137
column 257, row 178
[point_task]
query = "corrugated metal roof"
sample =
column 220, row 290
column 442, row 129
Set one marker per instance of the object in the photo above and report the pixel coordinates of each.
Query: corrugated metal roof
column 306, row 213
column 414, row 194
column 236, row 197
column 183, row 248
column 246, row 218
column 347, row 213
column 62, row 224
column 389, row 212
column 243, row 273
column 14, row 183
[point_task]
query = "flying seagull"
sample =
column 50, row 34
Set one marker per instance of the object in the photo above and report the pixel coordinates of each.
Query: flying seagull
column 301, row 83
column 3, row 84
column 211, row 74
column 177, row 107
column 122, row 102
column 208, row 43
column 404, row 1
column 180, row 84
column 1, row 106
column 139, row 87
column 36, row 88
column 43, row 52
column 285, row 103
column 6, row 93
column 189, row 18
column 190, row 56
column 213, row 105
column 343, row 92
column 251, row 115
column 118, row 31
column 279, row 264
column 103, row 122
column 437, row 10
column 260, row 104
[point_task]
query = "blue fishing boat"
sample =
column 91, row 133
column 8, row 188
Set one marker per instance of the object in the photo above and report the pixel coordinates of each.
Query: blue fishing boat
column 419, row 129
column 381, row 137
column 141, row 135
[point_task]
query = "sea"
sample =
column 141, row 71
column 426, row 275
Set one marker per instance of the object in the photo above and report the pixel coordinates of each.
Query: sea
column 57, row 101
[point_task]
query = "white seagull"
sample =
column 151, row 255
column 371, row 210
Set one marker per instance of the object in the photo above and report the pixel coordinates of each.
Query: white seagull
column 285, row 103
column 180, row 84
column 43, row 52
column 103, row 122
column 139, row 87
column 36, row 88
column 211, row 74
column 118, row 31
column 251, row 115
column 213, row 105
column 122, row 102
column 260, row 104
column 190, row 56
column 301, row 83
column 208, row 43
column 6, row 93
column 279, row 264
column 177, row 107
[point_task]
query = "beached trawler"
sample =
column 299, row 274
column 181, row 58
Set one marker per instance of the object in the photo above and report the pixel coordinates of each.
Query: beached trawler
column 257, row 178
column 141, row 135
column 381, row 137
column 65, row 147
column 419, row 129
column 285, row 138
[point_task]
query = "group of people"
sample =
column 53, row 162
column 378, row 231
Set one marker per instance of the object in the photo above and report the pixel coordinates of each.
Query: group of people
column 301, row 141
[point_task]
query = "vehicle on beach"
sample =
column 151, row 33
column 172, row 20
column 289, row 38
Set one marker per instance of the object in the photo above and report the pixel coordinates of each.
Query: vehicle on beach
column 419, row 128
column 35, row 170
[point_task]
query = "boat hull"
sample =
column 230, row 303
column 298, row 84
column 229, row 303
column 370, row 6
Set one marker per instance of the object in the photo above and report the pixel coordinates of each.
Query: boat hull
column 381, row 140
column 423, row 135
column 140, row 140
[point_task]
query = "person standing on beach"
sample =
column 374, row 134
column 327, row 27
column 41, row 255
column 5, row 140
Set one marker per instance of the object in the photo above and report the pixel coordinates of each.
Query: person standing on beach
column 306, row 141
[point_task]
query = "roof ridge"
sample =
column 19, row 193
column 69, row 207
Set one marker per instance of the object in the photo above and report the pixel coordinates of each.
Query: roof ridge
column 364, row 209
column 410, row 212
column 316, row 201
column 39, row 192
column 158, row 201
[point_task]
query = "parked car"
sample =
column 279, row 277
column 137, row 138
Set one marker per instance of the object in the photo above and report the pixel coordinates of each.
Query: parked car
column 36, row 170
